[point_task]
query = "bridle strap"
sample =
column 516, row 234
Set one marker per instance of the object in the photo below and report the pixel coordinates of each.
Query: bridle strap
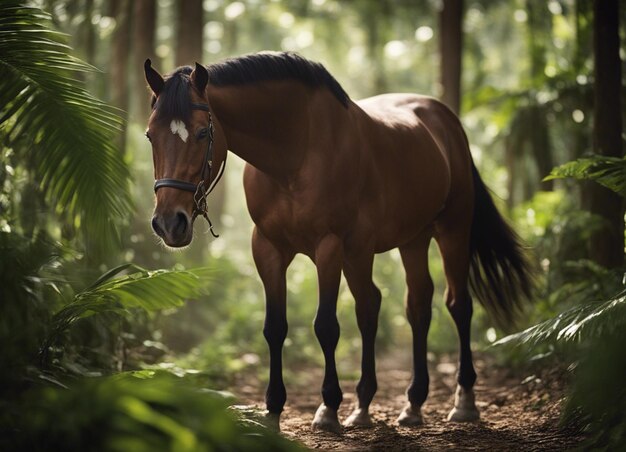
column 204, row 107
column 175, row 183
column 200, row 194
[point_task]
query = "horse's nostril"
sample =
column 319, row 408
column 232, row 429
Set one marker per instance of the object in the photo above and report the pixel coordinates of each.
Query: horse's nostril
column 181, row 223
column 156, row 227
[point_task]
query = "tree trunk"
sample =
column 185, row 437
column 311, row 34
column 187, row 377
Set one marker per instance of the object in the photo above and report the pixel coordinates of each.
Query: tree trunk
column 607, row 245
column 189, row 26
column 450, row 44
column 376, row 16
column 541, row 145
column 120, row 45
column 145, row 15
column 582, row 133
column 537, row 37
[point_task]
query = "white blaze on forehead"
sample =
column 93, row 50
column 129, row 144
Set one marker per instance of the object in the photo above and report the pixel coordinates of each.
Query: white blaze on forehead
column 178, row 128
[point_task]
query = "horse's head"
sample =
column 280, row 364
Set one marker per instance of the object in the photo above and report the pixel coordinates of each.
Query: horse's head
column 188, row 152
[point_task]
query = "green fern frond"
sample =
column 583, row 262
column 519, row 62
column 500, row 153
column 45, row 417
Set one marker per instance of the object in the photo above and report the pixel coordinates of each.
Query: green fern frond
column 607, row 171
column 579, row 323
column 50, row 119
column 144, row 289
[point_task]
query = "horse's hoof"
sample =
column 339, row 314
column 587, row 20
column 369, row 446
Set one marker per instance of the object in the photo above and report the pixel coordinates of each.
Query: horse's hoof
column 359, row 418
column 326, row 419
column 410, row 417
column 463, row 415
column 464, row 406
column 272, row 421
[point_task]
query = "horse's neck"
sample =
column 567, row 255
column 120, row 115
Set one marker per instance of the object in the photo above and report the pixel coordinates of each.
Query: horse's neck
column 264, row 124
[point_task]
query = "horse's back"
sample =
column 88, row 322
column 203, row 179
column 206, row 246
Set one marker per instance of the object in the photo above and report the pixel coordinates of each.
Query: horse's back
column 419, row 112
column 420, row 155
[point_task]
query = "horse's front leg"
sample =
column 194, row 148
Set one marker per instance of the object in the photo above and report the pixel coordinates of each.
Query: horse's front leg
column 272, row 264
column 328, row 259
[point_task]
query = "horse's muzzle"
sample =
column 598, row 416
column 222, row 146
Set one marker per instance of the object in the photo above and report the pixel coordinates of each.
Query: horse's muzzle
column 175, row 229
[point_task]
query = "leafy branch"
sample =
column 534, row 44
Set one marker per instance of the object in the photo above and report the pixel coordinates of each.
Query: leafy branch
column 583, row 322
column 609, row 172
column 51, row 120
column 144, row 289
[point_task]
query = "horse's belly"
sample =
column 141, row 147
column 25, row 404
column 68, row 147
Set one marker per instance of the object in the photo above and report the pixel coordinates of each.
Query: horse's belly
column 297, row 225
column 414, row 197
column 405, row 228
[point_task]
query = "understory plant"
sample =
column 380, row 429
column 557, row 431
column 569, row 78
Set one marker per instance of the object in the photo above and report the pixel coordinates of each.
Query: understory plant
column 590, row 332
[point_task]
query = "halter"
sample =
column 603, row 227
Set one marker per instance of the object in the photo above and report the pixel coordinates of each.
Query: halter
column 198, row 190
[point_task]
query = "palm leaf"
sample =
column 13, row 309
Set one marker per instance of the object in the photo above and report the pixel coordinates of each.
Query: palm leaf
column 69, row 132
column 144, row 289
column 607, row 171
column 579, row 323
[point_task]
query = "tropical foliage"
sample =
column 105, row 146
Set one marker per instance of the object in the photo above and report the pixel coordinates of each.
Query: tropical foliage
column 607, row 171
column 59, row 332
column 591, row 333
column 97, row 350
column 148, row 290
column 588, row 321
column 138, row 411
column 64, row 133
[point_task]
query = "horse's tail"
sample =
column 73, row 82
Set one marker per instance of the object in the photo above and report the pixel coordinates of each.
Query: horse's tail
column 501, row 276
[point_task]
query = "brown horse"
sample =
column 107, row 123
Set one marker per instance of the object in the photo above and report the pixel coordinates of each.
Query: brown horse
column 338, row 181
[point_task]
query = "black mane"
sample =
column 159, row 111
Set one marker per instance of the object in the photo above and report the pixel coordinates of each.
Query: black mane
column 175, row 102
column 258, row 67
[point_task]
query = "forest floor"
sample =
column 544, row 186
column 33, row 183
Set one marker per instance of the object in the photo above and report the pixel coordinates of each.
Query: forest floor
column 518, row 412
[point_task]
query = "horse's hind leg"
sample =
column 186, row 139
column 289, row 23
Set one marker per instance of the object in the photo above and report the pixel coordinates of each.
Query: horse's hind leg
column 455, row 251
column 272, row 265
column 328, row 260
column 358, row 273
column 418, row 311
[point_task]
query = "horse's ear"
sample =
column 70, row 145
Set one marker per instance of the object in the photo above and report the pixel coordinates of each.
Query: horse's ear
column 200, row 77
column 153, row 78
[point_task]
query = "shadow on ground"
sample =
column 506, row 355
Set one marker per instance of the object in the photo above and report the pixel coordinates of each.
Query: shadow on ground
column 514, row 415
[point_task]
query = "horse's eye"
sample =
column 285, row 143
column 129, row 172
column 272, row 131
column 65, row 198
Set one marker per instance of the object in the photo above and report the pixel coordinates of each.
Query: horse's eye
column 148, row 137
column 202, row 133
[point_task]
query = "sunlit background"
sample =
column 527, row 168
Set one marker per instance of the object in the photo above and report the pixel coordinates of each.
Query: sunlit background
column 518, row 61
column 526, row 104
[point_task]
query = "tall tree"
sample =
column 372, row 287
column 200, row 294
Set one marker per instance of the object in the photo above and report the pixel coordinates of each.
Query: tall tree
column 121, row 11
column 189, row 26
column 607, row 245
column 63, row 140
column 87, row 33
column 375, row 15
column 450, row 45
column 538, row 35
column 377, row 19
column 145, row 15
column 529, row 148
column 582, row 134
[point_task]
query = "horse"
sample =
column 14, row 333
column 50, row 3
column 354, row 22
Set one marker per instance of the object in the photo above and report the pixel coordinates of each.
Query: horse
column 338, row 181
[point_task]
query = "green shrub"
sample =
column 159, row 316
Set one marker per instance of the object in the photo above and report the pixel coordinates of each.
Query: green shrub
column 136, row 411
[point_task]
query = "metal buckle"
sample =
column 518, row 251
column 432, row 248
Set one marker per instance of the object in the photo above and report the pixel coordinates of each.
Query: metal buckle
column 199, row 199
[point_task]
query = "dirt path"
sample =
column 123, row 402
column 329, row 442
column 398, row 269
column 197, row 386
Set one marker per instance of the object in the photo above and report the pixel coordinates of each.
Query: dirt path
column 516, row 416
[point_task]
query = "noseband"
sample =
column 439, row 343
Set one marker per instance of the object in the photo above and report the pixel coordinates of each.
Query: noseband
column 199, row 192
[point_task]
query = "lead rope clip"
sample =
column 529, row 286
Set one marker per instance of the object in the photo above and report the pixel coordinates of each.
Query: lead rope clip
column 202, row 208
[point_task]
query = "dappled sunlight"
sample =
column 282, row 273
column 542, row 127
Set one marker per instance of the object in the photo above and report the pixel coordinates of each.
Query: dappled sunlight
column 113, row 340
